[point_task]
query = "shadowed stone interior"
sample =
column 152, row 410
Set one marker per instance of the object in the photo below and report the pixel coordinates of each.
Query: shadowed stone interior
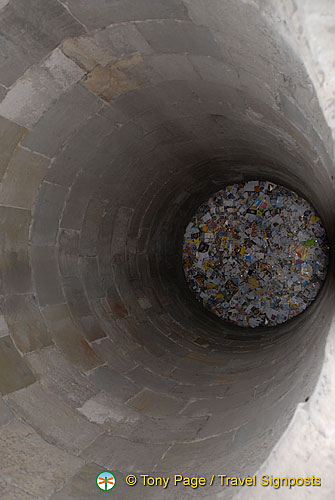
column 116, row 121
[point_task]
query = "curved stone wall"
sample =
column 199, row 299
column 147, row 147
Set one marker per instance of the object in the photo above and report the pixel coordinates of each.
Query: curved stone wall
column 116, row 122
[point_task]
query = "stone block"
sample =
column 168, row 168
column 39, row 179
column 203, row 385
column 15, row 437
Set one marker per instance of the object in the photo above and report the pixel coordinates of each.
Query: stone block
column 173, row 36
column 14, row 372
column 55, row 128
column 15, row 267
column 118, row 358
column 77, row 202
column 104, row 244
column 69, row 339
column 68, row 249
column 10, row 135
column 171, row 67
column 75, row 296
column 90, row 229
column 160, row 365
column 4, row 332
column 82, row 486
column 91, row 327
column 26, row 325
column 22, row 179
column 103, row 13
column 86, row 52
column 26, row 455
column 116, row 303
column 3, row 92
column 56, row 422
column 118, row 386
column 113, row 80
column 89, row 272
column 144, row 378
column 198, row 455
column 127, row 455
column 114, row 114
column 11, row 492
column 156, row 430
column 39, row 87
column 46, row 275
column 48, row 209
column 103, row 409
column 122, row 40
column 21, row 47
column 6, row 415
column 215, row 71
column 156, row 405
column 121, row 225
column 80, row 153
column 58, row 375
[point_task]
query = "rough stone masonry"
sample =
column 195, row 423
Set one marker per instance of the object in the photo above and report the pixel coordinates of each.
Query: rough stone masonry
column 116, row 120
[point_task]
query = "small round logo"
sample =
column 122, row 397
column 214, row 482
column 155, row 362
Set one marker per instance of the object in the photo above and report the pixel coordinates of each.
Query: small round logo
column 105, row 480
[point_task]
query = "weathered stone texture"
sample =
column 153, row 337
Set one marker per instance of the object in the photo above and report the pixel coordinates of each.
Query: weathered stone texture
column 14, row 371
column 25, row 453
column 22, row 179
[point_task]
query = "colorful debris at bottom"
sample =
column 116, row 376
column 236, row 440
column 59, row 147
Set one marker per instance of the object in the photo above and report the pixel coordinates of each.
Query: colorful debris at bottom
column 255, row 254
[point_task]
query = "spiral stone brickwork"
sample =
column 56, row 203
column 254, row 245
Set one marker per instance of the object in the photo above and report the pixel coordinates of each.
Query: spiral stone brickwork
column 116, row 120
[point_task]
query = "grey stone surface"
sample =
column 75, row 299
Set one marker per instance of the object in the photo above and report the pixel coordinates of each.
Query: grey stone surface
column 11, row 492
column 155, row 404
column 48, row 208
column 80, row 153
column 4, row 332
column 69, row 339
column 57, row 423
column 103, row 409
column 46, row 275
column 29, row 46
column 199, row 96
column 171, row 67
column 48, row 140
column 15, row 269
column 22, row 179
column 57, row 375
column 157, row 430
column 6, row 415
column 89, row 272
column 77, row 202
column 145, row 378
column 92, row 327
column 119, row 358
column 103, row 14
column 25, row 453
column 10, row 135
column 214, row 70
column 90, row 229
column 26, row 325
column 31, row 95
column 122, row 40
column 75, row 296
column 201, row 455
column 172, row 36
column 118, row 386
column 15, row 373
column 119, row 453
column 68, row 248
column 82, row 486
